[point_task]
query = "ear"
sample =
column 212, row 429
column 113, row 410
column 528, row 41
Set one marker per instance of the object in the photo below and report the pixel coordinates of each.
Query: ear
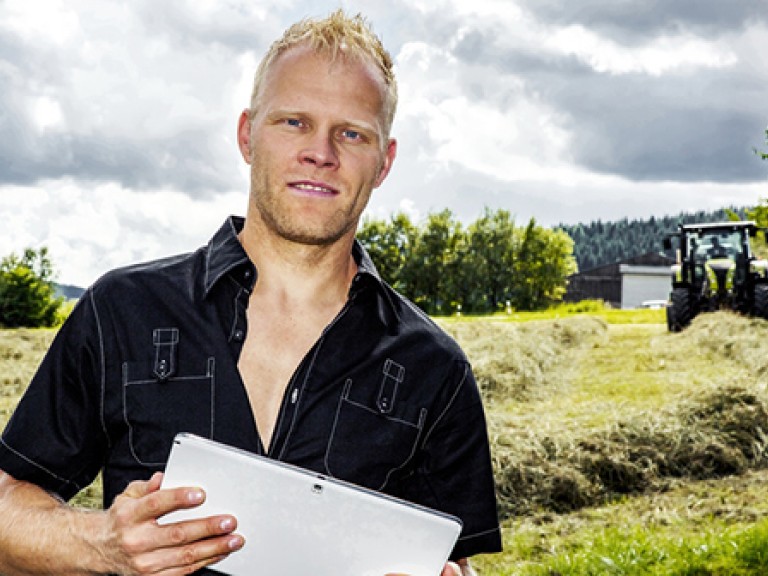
column 244, row 135
column 389, row 158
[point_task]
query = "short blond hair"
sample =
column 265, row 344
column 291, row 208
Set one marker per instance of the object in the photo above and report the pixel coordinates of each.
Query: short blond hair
column 351, row 36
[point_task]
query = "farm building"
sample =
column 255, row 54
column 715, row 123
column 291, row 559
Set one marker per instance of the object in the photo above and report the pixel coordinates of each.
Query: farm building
column 624, row 284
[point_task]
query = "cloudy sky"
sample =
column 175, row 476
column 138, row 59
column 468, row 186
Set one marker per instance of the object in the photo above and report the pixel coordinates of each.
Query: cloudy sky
column 117, row 118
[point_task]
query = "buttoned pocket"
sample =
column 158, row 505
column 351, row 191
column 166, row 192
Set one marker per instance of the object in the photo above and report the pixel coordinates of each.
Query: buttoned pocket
column 367, row 445
column 156, row 409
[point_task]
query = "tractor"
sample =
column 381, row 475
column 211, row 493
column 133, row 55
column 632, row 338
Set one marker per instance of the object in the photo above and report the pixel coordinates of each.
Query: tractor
column 715, row 270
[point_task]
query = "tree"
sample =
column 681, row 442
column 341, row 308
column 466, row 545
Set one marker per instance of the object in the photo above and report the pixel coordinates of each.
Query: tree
column 492, row 259
column 440, row 266
column 390, row 245
column 27, row 293
column 543, row 263
column 434, row 253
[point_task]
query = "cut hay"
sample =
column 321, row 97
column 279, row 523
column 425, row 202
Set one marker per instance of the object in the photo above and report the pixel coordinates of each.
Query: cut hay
column 719, row 430
column 514, row 360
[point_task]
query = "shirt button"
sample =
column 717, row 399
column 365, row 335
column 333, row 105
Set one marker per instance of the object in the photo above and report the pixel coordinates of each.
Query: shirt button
column 239, row 335
column 247, row 275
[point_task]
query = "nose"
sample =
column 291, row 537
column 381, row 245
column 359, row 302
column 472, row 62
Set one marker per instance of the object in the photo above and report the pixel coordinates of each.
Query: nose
column 320, row 151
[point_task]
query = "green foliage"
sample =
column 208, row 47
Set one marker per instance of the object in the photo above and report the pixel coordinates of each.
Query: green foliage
column 489, row 266
column 760, row 215
column 27, row 292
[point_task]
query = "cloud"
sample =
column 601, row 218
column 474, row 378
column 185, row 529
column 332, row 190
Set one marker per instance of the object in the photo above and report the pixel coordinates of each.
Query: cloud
column 671, row 107
column 629, row 20
column 131, row 104
column 118, row 119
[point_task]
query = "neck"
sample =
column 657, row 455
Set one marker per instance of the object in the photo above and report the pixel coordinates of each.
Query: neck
column 295, row 271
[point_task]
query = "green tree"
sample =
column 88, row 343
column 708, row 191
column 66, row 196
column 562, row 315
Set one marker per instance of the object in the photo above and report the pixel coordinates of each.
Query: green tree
column 390, row 245
column 435, row 252
column 27, row 293
column 440, row 266
column 491, row 259
column 543, row 263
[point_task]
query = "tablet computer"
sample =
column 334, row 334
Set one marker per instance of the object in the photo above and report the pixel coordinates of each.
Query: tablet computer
column 295, row 521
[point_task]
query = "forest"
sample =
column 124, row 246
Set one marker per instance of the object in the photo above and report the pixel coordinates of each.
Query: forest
column 599, row 243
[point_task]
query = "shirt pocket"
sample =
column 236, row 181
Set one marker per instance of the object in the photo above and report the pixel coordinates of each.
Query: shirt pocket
column 155, row 410
column 367, row 446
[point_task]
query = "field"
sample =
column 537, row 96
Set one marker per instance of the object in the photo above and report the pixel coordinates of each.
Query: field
column 622, row 449
column 618, row 448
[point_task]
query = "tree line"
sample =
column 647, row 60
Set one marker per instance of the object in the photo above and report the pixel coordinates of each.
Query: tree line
column 440, row 264
column 490, row 265
column 599, row 243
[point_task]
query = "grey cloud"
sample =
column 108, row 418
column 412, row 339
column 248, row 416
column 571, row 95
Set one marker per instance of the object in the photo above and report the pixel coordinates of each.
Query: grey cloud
column 196, row 160
column 630, row 20
column 232, row 26
column 694, row 128
column 684, row 126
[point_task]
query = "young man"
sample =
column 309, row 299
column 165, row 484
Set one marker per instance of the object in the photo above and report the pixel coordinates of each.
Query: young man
column 277, row 337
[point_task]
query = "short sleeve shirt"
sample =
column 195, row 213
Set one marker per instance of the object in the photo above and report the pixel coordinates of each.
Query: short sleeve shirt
column 384, row 398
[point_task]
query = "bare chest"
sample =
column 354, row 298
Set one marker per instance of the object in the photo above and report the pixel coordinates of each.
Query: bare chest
column 271, row 353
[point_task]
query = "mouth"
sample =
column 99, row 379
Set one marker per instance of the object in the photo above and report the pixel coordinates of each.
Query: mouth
column 313, row 188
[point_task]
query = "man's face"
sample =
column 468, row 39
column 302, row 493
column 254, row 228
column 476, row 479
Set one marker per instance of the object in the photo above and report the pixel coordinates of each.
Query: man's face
column 316, row 146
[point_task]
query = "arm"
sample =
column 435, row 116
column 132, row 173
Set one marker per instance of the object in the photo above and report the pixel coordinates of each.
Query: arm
column 41, row 535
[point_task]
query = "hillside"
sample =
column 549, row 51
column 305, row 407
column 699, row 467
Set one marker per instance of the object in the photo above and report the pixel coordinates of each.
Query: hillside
column 599, row 243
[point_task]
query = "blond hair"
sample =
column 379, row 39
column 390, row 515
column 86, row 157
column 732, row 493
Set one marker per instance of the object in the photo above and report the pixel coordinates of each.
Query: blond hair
column 331, row 36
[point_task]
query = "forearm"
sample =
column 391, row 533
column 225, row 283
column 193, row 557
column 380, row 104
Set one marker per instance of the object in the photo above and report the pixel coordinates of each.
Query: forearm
column 40, row 535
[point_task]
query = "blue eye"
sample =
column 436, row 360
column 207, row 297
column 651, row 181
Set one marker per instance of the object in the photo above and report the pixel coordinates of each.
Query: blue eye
column 352, row 134
column 293, row 122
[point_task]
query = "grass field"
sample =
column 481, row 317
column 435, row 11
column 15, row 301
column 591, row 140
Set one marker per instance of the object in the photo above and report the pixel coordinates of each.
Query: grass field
column 618, row 448
column 623, row 449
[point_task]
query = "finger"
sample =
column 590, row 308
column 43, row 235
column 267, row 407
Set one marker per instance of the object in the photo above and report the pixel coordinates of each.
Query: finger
column 136, row 489
column 153, row 505
column 188, row 558
column 451, row 569
column 155, row 482
column 189, row 531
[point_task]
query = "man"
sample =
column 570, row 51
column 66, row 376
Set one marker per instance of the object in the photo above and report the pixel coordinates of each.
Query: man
column 277, row 337
column 716, row 250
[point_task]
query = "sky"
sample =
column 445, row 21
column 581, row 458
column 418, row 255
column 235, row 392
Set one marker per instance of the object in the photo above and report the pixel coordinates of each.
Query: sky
column 118, row 118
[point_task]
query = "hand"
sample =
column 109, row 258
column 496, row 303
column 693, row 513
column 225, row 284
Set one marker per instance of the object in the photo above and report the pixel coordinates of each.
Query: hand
column 451, row 569
column 137, row 545
column 459, row 568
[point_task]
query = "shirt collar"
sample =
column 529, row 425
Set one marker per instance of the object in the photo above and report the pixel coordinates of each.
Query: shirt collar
column 225, row 253
column 387, row 311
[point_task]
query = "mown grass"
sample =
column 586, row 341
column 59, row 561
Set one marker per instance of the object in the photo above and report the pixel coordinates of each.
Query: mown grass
column 618, row 448
column 635, row 451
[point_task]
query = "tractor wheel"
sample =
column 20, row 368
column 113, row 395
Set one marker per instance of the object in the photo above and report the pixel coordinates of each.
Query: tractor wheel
column 760, row 307
column 679, row 312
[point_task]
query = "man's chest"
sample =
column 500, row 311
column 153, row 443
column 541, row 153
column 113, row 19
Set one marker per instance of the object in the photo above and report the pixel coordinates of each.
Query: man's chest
column 352, row 402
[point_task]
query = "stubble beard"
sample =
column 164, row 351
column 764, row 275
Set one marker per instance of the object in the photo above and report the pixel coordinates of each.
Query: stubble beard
column 278, row 218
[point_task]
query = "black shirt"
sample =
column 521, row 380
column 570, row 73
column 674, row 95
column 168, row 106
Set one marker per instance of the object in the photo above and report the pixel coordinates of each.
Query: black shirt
column 384, row 398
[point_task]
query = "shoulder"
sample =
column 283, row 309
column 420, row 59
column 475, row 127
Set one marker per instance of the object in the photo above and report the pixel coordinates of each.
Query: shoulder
column 168, row 270
column 413, row 321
